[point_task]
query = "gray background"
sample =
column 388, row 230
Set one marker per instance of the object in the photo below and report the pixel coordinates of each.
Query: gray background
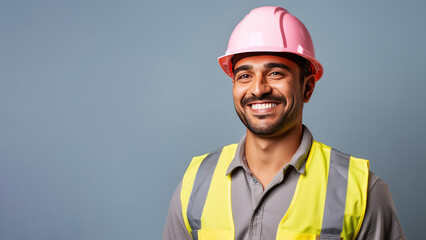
column 103, row 104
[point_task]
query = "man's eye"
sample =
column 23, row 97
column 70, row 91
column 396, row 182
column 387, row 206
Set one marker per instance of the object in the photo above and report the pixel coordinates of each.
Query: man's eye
column 275, row 73
column 243, row 76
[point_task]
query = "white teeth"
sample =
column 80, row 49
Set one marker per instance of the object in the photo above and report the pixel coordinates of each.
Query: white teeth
column 263, row 105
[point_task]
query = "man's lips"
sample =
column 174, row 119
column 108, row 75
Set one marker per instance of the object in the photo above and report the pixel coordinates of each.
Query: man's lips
column 265, row 102
column 262, row 105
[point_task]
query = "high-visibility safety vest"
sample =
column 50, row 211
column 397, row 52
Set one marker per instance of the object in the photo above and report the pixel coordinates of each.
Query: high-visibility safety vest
column 329, row 201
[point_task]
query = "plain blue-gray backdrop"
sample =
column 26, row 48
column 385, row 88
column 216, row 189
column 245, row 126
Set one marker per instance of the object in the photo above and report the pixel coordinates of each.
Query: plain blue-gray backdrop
column 103, row 104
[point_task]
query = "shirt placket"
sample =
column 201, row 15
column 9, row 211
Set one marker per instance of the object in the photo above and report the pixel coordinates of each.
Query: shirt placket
column 255, row 229
column 258, row 195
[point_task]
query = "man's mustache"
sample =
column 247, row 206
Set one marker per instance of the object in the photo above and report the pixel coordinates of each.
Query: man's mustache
column 270, row 97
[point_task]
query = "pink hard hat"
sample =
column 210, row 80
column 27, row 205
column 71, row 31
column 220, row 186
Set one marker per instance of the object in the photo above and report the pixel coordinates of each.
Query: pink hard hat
column 270, row 29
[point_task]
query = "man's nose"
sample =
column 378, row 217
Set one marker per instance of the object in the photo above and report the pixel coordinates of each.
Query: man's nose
column 260, row 87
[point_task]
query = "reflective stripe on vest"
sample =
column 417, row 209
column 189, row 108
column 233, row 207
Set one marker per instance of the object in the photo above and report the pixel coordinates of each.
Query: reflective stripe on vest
column 321, row 207
column 216, row 220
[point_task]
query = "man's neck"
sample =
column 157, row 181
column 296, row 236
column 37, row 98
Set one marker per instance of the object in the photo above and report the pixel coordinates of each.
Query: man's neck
column 266, row 156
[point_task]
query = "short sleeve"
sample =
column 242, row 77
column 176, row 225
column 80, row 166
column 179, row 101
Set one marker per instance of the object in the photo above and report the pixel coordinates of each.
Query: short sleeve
column 174, row 228
column 380, row 221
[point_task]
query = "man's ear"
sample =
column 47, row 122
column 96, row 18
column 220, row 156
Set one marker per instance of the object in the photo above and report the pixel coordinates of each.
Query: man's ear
column 308, row 87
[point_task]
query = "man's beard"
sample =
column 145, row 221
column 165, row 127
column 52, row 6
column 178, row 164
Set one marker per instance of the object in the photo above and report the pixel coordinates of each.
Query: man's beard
column 265, row 129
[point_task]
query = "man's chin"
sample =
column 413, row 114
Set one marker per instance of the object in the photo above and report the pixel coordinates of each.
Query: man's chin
column 264, row 130
column 262, row 125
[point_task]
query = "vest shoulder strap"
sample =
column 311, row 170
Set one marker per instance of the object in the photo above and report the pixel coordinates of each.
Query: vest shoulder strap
column 206, row 194
column 330, row 198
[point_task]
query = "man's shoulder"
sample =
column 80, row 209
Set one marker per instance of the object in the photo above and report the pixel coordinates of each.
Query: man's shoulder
column 375, row 183
column 381, row 220
column 329, row 147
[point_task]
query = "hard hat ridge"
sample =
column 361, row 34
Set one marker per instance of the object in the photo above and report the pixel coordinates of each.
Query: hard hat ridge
column 270, row 29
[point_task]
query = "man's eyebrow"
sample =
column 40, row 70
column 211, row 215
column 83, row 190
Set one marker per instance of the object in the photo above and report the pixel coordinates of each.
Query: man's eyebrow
column 241, row 68
column 280, row 65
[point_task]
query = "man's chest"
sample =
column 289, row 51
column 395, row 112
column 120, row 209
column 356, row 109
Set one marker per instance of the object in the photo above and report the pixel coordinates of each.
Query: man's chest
column 257, row 212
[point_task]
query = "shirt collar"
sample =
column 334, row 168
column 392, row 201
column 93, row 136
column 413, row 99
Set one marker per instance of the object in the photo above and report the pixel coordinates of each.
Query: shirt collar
column 297, row 161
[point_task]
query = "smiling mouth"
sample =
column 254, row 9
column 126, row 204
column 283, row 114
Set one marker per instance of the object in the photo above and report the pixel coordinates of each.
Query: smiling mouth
column 261, row 106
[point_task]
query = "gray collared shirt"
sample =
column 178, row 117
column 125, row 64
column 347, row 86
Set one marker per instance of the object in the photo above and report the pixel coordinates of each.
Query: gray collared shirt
column 257, row 212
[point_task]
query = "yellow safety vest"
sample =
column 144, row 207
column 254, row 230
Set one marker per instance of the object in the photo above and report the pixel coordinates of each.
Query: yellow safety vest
column 329, row 201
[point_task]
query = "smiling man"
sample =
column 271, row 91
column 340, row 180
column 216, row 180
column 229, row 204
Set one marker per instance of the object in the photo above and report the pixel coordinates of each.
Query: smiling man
column 277, row 182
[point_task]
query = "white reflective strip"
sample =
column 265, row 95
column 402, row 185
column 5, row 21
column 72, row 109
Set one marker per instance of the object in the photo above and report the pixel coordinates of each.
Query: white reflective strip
column 199, row 191
column 335, row 200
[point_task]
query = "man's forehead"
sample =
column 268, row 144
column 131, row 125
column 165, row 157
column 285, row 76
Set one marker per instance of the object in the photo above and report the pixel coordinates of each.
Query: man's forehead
column 264, row 61
column 287, row 56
